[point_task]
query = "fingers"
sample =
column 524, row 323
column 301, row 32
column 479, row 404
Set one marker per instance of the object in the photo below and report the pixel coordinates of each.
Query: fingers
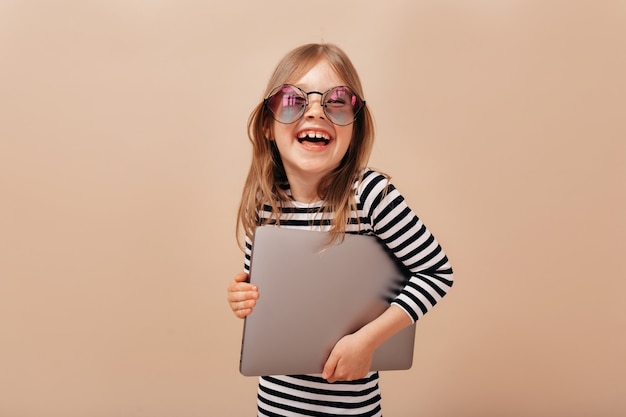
column 240, row 290
column 241, row 295
column 244, row 307
column 242, row 313
column 329, row 369
column 347, row 361
column 241, row 277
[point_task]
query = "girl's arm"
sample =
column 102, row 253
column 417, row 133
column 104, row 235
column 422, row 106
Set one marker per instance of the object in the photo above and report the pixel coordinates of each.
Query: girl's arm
column 408, row 239
column 430, row 276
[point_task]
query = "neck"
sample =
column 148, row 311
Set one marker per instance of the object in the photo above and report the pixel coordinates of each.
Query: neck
column 304, row 190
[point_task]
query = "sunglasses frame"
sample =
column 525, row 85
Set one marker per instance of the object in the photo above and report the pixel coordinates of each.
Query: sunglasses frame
column 306, row 94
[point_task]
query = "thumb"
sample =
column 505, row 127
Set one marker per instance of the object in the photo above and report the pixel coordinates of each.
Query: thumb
column 329, row 368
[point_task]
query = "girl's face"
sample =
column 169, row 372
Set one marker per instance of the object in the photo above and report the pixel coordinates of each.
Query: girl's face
column 313, row 146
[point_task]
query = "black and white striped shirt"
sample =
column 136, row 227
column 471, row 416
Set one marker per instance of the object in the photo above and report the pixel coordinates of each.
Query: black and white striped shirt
column 381, row 211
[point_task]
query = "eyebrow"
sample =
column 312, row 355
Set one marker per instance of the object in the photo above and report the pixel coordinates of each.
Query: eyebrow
column 318, row 90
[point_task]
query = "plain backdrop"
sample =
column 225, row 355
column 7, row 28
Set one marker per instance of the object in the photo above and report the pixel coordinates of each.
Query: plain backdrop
column 123, row 151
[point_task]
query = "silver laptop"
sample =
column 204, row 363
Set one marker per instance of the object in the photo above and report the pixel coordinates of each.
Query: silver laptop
column 312, row 295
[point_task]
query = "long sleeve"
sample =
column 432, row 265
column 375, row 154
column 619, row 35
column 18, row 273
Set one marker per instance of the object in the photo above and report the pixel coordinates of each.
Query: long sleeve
column 248, row 255
column 384, row 210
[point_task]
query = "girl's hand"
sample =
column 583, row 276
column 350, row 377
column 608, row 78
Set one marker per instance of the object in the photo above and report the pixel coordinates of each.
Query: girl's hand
column 350, row 359
column 241, row 295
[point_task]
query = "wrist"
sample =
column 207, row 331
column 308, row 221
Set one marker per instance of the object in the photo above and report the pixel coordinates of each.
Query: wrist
column 373, row 334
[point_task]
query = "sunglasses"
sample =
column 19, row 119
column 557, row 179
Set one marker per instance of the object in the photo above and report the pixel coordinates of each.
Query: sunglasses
column 288, row 103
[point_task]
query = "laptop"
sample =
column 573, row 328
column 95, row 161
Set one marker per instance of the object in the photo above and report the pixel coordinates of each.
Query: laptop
column 312, row 294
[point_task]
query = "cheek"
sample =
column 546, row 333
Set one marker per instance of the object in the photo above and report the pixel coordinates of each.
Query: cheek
column 280, row 131
column 344, row 134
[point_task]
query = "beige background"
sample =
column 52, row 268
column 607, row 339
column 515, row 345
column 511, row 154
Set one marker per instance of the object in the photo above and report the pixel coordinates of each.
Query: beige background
column 123, row 151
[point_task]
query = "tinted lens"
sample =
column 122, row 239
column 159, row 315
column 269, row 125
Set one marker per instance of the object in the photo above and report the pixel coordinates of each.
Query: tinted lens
column 342, row 105
column 287, row 104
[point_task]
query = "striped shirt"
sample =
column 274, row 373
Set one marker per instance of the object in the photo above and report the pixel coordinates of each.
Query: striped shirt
column 383, row 212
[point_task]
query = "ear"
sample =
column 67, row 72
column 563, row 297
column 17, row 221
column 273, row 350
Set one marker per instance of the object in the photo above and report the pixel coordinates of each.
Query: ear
column 267, row 133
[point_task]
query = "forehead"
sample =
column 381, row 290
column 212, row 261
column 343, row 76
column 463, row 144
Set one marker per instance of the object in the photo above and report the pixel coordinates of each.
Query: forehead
column 320, row 77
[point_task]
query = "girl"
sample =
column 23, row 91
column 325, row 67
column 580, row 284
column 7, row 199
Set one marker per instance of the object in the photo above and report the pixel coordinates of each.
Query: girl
column 311, row 138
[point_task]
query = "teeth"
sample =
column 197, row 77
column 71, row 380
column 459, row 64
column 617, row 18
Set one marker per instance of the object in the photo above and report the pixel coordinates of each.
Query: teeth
column 313, row 134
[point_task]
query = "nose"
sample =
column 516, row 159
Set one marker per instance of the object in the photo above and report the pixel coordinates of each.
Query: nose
column 315, row 108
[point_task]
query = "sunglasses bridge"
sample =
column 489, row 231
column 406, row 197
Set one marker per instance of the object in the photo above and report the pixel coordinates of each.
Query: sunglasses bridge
column 308, row 103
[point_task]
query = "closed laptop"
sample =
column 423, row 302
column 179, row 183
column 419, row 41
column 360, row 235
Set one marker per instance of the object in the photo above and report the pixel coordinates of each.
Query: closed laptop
column 312, row 294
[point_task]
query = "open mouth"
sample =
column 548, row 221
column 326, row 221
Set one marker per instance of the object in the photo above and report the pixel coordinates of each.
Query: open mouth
column 314, row 137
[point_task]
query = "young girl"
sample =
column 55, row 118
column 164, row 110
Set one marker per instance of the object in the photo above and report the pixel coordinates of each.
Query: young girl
column 311, row 138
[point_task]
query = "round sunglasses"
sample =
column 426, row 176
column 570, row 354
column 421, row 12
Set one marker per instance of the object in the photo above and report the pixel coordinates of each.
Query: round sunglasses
column 288, row 104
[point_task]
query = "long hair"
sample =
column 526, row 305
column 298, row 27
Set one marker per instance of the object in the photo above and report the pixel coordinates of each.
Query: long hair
column 267, row 173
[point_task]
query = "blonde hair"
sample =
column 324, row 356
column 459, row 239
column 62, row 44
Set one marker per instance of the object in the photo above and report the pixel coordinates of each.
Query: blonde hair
column 266, row 172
